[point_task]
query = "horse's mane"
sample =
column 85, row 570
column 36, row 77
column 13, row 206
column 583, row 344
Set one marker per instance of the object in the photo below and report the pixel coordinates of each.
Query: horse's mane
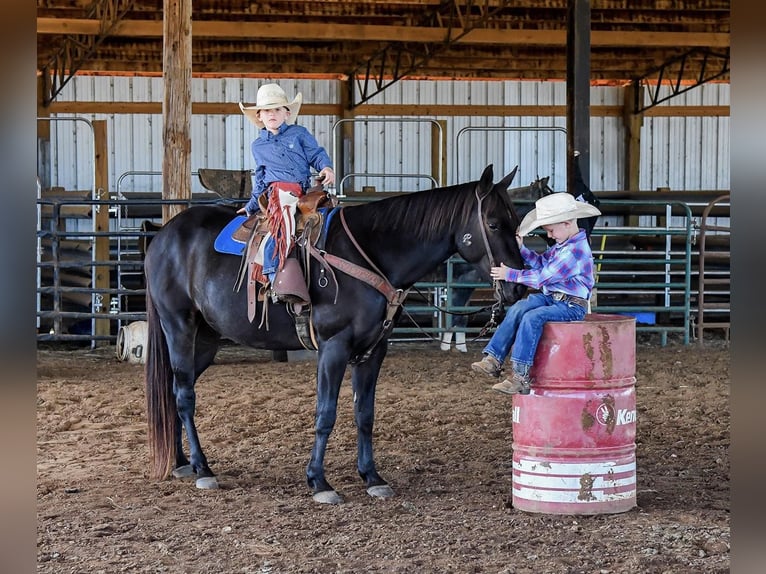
column 428, row 213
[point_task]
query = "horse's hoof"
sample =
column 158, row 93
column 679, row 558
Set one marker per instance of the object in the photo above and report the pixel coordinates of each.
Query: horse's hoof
column 184, row 471
column 327, row 497
column 446, row 341
column 381, row 491
column 207, row 483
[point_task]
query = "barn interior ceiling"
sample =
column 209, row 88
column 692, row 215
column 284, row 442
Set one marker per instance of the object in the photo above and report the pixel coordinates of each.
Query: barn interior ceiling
column 677, row 41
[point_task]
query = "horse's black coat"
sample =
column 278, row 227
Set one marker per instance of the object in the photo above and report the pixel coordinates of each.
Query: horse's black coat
column 190, row 295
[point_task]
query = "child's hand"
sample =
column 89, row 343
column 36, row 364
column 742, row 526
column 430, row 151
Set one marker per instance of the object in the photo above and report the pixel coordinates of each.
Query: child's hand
column 326, row 176
column 241, row 211
column 499, row 273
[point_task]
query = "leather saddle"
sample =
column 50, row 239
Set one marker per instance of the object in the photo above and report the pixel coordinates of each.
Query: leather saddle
column 289, row 284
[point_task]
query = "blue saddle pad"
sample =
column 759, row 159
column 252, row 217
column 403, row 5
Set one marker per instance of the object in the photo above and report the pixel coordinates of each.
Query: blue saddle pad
column 224, row 243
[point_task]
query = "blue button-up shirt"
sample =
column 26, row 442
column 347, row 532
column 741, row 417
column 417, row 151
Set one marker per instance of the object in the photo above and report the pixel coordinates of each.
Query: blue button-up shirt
column 287, row 156
column 564, row 267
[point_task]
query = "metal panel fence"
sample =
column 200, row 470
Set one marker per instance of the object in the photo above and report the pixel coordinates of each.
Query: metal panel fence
column 654, row 284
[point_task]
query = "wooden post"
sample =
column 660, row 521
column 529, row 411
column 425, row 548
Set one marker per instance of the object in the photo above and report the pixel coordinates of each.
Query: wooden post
column 578, row 89
column 43, row 138
column 176, row 104
column 101, row 222
column 439, row 143
column 345, row 163
column 632, row 123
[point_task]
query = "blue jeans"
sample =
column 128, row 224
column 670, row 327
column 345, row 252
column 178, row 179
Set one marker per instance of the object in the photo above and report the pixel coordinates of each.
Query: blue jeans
column 270, row 258
column 522, row 327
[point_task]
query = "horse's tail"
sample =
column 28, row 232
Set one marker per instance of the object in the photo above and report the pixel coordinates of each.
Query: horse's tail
column 161, row 411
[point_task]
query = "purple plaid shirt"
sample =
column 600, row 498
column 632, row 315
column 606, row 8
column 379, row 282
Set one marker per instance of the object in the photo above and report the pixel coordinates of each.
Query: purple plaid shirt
column 565, row 267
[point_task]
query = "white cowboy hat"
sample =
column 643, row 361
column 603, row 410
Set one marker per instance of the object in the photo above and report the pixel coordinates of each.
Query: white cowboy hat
column 555, row 208
column 269, row 97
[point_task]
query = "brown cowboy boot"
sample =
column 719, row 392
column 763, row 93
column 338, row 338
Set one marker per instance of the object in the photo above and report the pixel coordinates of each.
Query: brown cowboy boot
column 489, row 365
column 289, row 285
column 517, row 384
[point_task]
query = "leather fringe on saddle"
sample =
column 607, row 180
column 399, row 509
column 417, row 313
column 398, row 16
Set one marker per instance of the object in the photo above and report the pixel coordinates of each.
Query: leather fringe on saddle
column 290, row 223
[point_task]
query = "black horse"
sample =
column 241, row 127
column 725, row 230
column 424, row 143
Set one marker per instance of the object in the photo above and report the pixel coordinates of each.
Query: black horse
column 191, row 305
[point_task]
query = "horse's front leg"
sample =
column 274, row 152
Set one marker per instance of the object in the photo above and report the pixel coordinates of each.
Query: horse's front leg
column 330, row 369
column 364, row 377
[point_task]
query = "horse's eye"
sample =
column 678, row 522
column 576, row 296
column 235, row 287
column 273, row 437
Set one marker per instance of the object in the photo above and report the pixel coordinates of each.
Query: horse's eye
column 493, row 226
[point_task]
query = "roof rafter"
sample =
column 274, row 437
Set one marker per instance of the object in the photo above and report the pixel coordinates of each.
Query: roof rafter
column 76, row 49
column 424, row 34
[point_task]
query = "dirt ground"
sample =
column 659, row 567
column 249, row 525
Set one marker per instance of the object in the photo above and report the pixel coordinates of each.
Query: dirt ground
column 443, row 441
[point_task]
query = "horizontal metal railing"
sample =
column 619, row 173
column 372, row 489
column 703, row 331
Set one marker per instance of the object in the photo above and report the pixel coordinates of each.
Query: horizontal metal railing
column 628, row 281
column 629, row 276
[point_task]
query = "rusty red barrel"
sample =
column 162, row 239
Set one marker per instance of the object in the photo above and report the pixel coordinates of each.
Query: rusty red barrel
column 574, row 449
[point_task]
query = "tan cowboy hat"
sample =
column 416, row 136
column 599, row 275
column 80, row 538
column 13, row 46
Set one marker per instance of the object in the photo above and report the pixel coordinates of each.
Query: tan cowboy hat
column 269, row 97
column 555, row 208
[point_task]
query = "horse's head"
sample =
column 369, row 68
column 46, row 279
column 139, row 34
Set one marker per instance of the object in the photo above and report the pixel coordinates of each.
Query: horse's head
column 490, row 238
column 525, row 196
column 541, row 187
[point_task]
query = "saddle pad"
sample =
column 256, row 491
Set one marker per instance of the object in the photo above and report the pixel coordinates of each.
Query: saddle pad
column 224, row 243
column 328, row 214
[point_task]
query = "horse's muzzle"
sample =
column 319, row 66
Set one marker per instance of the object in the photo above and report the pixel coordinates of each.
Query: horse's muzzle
column 511, row 292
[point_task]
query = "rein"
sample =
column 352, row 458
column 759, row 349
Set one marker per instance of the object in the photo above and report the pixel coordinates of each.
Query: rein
column 481, row 333
column 497, row 307
column 374, row 278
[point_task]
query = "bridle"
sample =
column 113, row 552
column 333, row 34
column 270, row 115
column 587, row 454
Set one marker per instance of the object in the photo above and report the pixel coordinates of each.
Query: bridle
column 497, row 307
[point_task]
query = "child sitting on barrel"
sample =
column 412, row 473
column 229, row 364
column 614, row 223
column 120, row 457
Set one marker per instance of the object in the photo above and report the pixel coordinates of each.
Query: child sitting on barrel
column 564, row 276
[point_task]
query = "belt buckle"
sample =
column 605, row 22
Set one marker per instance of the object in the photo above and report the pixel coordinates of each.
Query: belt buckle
column 558, row 296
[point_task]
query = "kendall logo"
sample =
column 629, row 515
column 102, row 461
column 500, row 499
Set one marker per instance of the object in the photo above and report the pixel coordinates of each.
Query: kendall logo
column 624, row 417
column 606, row 415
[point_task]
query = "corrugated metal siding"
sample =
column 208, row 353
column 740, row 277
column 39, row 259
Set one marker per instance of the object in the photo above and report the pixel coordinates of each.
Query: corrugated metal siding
column 688, row 153
column 607, row 142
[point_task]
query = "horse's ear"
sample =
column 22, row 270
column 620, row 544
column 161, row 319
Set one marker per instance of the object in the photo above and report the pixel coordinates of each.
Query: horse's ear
column 544, row 187
column 485, row 182
column 506, row 181
column 487, row 175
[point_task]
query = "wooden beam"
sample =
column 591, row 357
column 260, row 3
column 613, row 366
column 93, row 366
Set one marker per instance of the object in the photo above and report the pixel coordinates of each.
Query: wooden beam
column 225, row 108
column 200, row 108
column 176, row 105
column 310, row 32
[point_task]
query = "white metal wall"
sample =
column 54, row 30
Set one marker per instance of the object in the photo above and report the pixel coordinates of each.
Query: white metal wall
column 685, row 153
column 688, row 153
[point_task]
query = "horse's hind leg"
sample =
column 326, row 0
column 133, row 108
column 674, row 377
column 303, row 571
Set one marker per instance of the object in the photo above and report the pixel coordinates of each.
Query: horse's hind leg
column 186, row 369
column 205, row 351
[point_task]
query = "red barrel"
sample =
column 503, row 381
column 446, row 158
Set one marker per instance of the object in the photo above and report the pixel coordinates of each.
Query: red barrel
column 574, row 449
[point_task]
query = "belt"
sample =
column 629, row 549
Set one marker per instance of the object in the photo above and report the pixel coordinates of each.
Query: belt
column 565, row 297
